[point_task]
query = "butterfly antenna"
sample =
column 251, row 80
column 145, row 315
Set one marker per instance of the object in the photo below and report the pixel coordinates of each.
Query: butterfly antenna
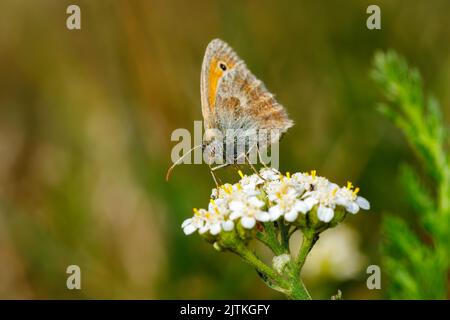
column 179, row 160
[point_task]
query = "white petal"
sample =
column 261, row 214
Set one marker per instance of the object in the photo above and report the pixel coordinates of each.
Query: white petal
column 363, row 203
column 272, row 196
column 292, row 192
column 236, row 206
column 270, row 174
column 249, row 185
column 275, row 212
column 189, row 229
column 235, row 214
column 256, row 202
column 332, row 186
column 215, row 229
column 310, row 202
column 262, row 216
column 248, row 222
column 252, row 192
column 220, row 202
column 301, row 206
column 227, row 225
column 203, row 229
column 291, row 216
column 341, row 201
column 186, row 222
column 307, row 195
column 352, row 207
column 325, row 214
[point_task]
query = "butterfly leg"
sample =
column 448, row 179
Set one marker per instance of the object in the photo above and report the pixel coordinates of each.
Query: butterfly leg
column 247, row 159
column 219, row 166
column 249, row 162
column 265, row 166
column 216, row 179
column 260, row 159
column 253, row 167
column 212, row 169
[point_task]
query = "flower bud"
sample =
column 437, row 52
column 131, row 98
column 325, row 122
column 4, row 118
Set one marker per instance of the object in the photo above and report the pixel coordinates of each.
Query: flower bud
column 313, row 220
column 339, row 216
column 227, row 240
column 244, row 233
column 280, row 262
column 217, row 246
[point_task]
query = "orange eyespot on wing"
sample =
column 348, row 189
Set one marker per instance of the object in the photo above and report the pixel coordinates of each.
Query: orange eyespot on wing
column 214, row 75
column 233, row 97
column 219, row 59
column 217, row 69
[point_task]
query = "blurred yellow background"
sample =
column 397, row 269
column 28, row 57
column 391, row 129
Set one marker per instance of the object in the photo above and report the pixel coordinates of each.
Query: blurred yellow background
column 86, row 117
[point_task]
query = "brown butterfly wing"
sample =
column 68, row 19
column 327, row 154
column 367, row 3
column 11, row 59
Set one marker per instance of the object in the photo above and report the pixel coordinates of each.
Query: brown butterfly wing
column 242, row 101
column 216, row 52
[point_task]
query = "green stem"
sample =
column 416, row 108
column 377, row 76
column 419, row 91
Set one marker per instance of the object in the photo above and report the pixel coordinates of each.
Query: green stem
column 298, row 289
column 289, row 282
column 284, row 236
column 270, row 239
column 248, row 256
column 308, row 241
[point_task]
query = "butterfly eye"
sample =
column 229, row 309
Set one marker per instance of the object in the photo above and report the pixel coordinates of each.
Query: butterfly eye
column 222, row 66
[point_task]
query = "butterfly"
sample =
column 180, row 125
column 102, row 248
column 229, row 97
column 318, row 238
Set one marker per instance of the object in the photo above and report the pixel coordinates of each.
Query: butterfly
column 234, row 102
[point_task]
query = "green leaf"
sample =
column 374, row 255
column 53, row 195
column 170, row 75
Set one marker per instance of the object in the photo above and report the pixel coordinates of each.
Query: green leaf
column 416, row 271
column 417, row 194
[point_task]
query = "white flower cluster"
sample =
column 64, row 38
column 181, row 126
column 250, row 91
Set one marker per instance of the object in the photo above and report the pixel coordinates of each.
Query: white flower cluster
column 269, row 196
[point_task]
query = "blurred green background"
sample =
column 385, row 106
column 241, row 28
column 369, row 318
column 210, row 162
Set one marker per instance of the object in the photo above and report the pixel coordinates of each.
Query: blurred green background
column 86, row 117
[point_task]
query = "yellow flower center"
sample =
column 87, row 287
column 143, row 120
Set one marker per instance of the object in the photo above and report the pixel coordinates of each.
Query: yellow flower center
column 334, row 192
column 349, row 185
column 227, row 188
column 196, row 213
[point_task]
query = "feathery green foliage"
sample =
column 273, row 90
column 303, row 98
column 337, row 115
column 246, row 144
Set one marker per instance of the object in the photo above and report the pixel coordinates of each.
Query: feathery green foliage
column 416, row 251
